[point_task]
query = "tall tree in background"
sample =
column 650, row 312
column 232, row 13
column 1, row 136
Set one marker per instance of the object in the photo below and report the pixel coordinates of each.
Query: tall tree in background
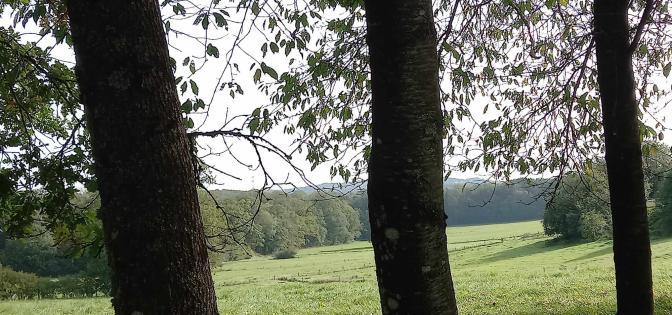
column 406, row 165
column 153, row 230
column 623, row 154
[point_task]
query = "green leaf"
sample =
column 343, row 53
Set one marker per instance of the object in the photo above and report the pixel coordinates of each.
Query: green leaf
column 199, row 104
column 194, row 87
column 173, row 64
column 643, row 49
column 205, row 23
column 275, row 48
column 346, row 113
column 91, row 186
column 183, row 87
column 179, row 9
column 268, row 70
column 60, row 35
column 666, row 69
column 288, row 48
column 219, row 19
column 257, row 76
column 187, row 106
column 39, row 12
column 264, row 49
column 188, row 122
column 212, row 51
column 255, row 8
column 254, row 124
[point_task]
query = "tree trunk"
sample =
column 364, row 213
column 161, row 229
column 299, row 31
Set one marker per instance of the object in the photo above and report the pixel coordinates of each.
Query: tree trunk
column 406, row 166
column 152, row 223
column 632, row 250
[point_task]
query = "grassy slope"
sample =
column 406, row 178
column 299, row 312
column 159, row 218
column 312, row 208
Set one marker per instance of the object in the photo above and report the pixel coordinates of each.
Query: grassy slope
column 497, row 275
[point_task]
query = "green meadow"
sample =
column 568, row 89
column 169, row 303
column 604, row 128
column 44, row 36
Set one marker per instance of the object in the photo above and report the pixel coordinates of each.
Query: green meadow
column 497, row 269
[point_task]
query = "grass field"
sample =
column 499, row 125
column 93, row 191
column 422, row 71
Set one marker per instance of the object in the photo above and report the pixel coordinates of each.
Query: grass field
column 497, row 269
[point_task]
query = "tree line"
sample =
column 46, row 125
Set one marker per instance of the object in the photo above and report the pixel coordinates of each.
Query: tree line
column 299, row 220
column 284, row 221
column 579, row 210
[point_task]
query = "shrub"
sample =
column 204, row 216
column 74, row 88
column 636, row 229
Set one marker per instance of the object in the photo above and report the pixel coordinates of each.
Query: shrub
column 579, row 210
column 72, row 287
column 14, row 284
column 285, row 254
column 21, row 285
column 661, row 216
column 595, row 226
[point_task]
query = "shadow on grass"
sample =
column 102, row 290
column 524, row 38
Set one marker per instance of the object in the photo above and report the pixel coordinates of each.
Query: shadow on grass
column 594, row 254
column 609, row 250
column 354, row 249
column 539, row 247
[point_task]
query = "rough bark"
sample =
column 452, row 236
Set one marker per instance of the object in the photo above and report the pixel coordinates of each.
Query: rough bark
column 405, row 184
column 152, row 224
column 632, row 250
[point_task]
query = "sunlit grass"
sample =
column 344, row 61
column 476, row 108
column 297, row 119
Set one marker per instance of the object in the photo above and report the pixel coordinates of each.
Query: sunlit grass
column 510, row 269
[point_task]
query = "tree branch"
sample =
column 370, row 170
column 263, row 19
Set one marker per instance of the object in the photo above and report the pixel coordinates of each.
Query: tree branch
column 640, row 27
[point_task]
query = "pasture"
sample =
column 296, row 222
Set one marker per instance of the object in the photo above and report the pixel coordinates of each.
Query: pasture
column 497, row 269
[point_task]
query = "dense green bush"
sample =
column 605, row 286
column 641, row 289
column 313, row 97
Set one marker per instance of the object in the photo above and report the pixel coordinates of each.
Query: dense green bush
column 14, row 284
column 21, row 285
column 661, row 215
column 285, row 254
column 580, row 209
column 71, row 287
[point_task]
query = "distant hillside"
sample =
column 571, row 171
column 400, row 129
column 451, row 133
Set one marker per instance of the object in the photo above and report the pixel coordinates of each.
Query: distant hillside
column 476, row 204
column 360, row 187
column 461, row 181
column 338, row 188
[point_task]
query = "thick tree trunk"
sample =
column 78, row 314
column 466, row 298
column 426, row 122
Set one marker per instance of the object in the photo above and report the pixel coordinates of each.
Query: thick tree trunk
column 406, row 166
column 153, row 230
column 632, row 250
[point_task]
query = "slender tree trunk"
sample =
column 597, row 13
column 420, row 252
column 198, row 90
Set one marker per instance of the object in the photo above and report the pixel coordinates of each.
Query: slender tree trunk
column 152, row 223
column 632, row 250
column 406, row 166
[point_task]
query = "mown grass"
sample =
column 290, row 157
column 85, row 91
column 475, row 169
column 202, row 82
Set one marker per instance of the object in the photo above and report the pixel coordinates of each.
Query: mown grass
column 498, row 269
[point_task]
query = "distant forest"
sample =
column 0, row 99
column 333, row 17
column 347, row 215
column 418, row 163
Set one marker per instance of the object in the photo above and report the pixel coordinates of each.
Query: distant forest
column 306, row 218
column 474, row 203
